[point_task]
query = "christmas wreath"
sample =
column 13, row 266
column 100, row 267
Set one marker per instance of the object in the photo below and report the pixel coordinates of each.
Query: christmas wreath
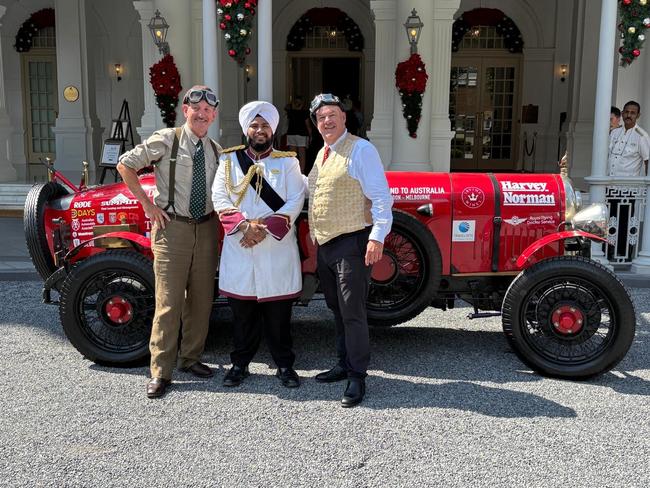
column 236, row 19
column 166, row 82
column 635, row 19
column 38, row 20
column 411, row 81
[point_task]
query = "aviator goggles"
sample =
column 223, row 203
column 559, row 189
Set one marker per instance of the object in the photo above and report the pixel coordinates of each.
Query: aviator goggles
column 195, row 96
column 320, row 100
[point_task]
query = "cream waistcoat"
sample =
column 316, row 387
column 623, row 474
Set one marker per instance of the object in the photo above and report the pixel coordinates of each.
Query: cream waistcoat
column 337, row 204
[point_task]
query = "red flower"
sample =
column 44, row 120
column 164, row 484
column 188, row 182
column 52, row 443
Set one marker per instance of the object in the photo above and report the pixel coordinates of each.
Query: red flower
column 411, row 75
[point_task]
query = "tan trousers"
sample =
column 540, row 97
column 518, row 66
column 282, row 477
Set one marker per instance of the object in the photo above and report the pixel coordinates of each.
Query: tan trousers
column 185, row 263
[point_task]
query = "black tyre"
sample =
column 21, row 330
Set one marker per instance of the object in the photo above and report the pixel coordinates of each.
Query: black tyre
column 107, row 306
column 569, row 317
column 406, row 280
column 34, row 225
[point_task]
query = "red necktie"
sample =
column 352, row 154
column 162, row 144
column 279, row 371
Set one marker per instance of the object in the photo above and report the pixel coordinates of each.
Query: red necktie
column 326, row 154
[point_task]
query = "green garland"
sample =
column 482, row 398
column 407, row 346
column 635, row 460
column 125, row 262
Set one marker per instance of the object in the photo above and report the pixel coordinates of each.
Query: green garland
column 635, row 19
column 236, row 20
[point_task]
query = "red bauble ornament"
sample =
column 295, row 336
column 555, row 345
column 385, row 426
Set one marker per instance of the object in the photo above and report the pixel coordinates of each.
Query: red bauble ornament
column 636, row 53
column 627, row 2
column 222, row 26
column 232, row 52
column 227, row 17
column 247, row 5
column 620, row 49
column 248, row 51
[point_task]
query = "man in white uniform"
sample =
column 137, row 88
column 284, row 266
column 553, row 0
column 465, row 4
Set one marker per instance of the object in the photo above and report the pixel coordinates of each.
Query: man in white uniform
column 258, row 193
column 629, row 146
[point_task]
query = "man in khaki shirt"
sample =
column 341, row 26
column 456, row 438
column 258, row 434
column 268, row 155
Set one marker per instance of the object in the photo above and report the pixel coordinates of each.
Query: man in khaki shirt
column 183, row 236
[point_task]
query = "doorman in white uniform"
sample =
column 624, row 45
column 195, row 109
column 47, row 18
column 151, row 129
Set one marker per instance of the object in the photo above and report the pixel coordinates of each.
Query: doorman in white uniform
column 258, row 193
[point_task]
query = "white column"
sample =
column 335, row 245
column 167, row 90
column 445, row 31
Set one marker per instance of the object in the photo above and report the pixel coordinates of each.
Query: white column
column 265, row 50
column 381, row 132
column 75, row 127
column 7, row 170
column 210, row 57
column 151, row 119
column 604, row 82
column 179, row 37
column 441, row 133
column 412, row 154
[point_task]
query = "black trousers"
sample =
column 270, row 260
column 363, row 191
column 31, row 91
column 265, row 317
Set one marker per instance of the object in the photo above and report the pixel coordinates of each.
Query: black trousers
column 345, row 280
column 252, row 319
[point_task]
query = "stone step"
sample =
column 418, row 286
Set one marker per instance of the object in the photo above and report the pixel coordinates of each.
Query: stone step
column 12, row 196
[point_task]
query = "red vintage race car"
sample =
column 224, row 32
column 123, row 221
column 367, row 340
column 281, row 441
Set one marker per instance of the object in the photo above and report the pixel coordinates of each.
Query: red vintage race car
column 514, row 244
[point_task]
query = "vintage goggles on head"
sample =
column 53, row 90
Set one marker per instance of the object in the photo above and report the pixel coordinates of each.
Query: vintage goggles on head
column 195, row 96
column 323, row 99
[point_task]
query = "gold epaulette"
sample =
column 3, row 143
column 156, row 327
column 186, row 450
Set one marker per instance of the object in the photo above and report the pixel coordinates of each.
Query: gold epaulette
column 233, row 149
column 283, row 154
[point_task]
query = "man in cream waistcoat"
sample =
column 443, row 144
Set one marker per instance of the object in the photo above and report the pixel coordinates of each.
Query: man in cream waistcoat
column 258, row 193
column 349, row 218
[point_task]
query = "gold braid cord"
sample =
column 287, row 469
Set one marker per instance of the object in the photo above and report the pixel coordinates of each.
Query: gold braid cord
column 240, row 188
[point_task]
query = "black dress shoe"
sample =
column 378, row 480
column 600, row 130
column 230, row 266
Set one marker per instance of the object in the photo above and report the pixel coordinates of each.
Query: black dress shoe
column 199, row 370
column 354, row 392
column 235, row 376
column 337, row 373
column 157, row 387
column 288, row 377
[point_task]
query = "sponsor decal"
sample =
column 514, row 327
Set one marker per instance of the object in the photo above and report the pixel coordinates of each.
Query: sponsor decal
column 415, row 193
column 528, row 194
column 112, row 217
column 472, row 197
column 514, row 220
column 75, row 224
column 100, row 218
column 119, row 199
column 542, row 220
column 76, row 242
column 463, row 231
column 74, row 234
column 81, row 205
column 76, row 214
column 121, row 216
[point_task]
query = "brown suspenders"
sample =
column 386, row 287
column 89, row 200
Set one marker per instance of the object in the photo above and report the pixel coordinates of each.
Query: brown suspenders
column 172, row 167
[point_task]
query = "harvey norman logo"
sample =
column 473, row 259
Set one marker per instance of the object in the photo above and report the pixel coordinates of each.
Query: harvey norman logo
column 119, row 199
column 526, row 194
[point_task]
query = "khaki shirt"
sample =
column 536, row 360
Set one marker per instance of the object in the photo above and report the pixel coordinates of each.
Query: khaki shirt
column 628, row 149
column 157, row 150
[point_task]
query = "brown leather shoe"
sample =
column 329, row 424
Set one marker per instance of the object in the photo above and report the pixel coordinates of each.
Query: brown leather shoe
column 199, row 370
column 157, row 387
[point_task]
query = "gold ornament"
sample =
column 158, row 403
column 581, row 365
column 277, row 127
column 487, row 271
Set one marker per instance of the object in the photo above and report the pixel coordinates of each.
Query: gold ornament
column 631, row 30
column 643, row 2
column 241, row 188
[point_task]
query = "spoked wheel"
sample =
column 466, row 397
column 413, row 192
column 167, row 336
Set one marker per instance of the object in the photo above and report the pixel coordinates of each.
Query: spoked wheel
column 405, row 280
column 107, row 306
column 569, row 317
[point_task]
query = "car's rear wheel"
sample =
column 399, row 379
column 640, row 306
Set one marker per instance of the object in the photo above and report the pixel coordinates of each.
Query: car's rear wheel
column 107, row 306
column 34, row 225
column 569, row 317
column 405, row 280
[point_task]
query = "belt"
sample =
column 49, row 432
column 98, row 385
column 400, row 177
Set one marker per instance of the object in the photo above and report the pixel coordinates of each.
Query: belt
column 348, row 234
column 190, row 220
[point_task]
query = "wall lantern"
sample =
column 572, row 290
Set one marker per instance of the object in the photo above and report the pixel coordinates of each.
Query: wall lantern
column 117, row 67
column 158, row 27
column 564, row 69
column 413, row 26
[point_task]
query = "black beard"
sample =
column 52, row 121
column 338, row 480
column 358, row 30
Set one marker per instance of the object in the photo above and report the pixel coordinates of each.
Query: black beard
column 260, row 147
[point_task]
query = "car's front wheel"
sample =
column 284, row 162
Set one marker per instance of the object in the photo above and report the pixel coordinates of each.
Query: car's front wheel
column 107, row 305
column 569, row 317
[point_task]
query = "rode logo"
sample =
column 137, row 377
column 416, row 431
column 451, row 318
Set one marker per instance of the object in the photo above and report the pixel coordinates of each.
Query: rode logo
column 473, row 197
column 81, row 205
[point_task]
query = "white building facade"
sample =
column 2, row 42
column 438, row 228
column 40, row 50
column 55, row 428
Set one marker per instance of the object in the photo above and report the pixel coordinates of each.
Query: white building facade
column 486, row 107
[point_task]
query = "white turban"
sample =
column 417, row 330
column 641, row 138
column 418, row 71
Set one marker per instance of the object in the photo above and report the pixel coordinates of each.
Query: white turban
column 265, row 110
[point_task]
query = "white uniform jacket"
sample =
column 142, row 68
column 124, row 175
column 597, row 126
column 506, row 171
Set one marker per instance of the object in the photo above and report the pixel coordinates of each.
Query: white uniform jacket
column 270, row 270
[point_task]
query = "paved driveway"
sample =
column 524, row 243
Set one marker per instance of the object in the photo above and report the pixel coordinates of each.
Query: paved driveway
column 448, row 405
